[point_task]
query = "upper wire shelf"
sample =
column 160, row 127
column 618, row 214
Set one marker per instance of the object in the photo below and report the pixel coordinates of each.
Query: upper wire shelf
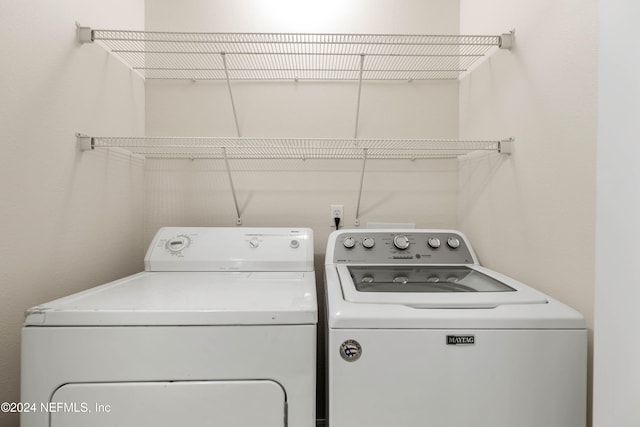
column 295, row 56
column 292, row 148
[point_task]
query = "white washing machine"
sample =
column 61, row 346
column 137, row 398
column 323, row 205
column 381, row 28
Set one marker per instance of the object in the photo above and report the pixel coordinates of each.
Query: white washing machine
column 419, row 334
column 219, row 330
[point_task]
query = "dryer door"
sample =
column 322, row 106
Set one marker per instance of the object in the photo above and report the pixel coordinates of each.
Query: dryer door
column 179, row 403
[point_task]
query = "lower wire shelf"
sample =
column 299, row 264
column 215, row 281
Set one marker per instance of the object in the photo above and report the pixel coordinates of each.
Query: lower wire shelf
column 292, row 148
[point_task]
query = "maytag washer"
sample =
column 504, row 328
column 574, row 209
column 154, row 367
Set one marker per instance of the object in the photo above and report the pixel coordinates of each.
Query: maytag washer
column 420, row 334
column 220, row 329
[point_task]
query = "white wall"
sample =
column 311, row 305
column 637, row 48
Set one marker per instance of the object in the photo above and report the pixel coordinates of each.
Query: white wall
column 298, row 192
column 617, row 350
column 69, row 220
column 532, row 215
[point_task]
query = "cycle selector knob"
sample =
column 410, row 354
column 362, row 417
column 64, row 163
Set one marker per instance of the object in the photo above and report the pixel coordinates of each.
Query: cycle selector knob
column 401, row 242
column 453, row 242
column 433, row 242
column 349, row 242
column 368, row 242
column 178, row 243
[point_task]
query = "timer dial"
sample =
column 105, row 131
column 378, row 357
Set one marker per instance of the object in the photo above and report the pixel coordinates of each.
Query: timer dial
column 178, row 243
column 401, row 242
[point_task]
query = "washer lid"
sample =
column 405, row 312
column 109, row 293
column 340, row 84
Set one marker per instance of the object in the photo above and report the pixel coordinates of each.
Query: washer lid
column 427, row 286
column 187, row 298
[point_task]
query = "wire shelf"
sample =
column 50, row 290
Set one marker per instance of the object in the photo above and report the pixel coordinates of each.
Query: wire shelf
column 295, row 56
column 292, row 148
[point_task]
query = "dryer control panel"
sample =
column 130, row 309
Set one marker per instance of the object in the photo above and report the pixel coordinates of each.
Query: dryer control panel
column 230, row 249
column 399, row 247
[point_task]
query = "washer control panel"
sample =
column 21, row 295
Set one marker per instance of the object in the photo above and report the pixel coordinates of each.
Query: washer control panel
column 401, row 247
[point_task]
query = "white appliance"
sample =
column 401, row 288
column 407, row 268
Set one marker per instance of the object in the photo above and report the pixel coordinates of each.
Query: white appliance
column 419, row 334
column 219, row 330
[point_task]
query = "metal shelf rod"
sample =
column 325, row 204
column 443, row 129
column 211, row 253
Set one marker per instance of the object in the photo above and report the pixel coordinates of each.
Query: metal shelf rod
column 364, row 164
column 355, row 132
column 233, row 104
column 233, row 188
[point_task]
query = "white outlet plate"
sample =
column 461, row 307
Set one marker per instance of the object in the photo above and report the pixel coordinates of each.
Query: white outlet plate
column 336, row 211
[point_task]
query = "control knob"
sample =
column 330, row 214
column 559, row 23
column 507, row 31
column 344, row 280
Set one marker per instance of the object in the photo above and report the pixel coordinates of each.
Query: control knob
column 368, row 242
column 434, row 242
column 178, row 243
column 349, row 242
column 401, row 242
column 453, row 242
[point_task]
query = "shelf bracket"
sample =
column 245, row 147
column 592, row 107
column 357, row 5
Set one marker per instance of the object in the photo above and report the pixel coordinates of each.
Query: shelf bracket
column 364, row 164
column 507, row 40
column 84, row 142
column 355, row 132
column 233, row 188
column 233, row 105
column 506, row 146
column 84, row 34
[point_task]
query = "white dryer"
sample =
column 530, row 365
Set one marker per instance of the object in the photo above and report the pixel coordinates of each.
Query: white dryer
column 219, row 330
column 419, row 334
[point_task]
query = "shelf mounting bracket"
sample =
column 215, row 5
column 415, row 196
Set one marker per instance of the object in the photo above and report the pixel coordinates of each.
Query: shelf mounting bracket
column 84, row 142
column 506, row 146
column 84, row 34
column 364, row 164
column 507, row 39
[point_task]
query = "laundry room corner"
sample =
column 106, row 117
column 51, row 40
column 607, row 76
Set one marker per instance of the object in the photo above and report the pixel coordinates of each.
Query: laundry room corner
column 69, row 221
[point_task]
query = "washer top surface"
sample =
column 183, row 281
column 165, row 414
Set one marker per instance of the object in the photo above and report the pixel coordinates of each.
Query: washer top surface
column 202, row 276
column 427, row 279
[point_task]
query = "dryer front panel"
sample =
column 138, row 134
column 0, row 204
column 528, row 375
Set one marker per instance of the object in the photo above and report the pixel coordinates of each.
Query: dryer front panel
column 157, row 404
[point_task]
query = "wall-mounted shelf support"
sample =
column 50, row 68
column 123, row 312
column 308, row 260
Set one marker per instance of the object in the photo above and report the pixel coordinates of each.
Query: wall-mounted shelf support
column 84, row 142
column 506, row 146
column 84, row 34
column 233, row 188
column 507, row 40
column 364, row 164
